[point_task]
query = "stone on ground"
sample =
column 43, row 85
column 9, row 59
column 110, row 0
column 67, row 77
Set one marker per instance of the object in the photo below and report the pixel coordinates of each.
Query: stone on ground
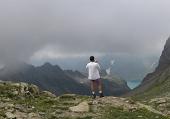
column 82, row 107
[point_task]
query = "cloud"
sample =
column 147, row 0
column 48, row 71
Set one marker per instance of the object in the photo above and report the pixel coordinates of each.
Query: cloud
column 63, row 28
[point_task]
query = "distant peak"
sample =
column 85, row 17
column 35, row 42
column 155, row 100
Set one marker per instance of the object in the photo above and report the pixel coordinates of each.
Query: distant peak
column 47, row 64
column 164, row 61
column 167, row 42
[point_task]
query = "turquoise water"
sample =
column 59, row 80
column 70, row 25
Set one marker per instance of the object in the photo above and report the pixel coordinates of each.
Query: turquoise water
column 133, row 84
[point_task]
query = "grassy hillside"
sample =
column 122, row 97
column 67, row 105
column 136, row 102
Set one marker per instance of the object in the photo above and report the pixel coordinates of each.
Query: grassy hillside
column 160, row 87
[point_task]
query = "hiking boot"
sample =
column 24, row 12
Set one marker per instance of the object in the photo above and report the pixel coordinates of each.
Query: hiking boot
column 93, row 96
column 101, row 95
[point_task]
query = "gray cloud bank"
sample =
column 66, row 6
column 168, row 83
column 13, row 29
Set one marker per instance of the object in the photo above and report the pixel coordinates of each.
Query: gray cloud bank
column 37, row 28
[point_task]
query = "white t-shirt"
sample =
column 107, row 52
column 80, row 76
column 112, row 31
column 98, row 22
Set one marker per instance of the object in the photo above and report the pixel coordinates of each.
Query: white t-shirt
column 93, row 70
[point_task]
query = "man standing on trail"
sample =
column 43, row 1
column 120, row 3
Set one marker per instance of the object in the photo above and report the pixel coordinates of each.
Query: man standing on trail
column 94, row 76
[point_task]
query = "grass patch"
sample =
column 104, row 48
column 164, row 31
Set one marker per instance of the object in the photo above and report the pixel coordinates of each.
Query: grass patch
column 160, row 88
column 118, row 113
column 2, row 114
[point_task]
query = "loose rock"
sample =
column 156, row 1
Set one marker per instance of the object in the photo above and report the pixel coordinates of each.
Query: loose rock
column 82, row 107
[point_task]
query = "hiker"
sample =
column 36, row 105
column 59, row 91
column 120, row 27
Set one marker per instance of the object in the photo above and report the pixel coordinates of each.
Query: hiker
column 94, row 76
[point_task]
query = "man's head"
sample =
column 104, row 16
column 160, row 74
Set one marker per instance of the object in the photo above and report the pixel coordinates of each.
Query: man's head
column 92, row 58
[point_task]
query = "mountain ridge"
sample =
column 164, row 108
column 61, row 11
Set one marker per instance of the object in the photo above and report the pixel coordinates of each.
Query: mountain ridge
column 156, row 84
column 53, row 78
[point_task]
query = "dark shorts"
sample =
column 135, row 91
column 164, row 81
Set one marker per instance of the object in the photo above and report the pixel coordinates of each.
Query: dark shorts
column 97, row 81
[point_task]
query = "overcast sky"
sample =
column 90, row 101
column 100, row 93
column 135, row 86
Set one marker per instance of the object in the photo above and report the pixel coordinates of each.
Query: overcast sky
column 37, row 29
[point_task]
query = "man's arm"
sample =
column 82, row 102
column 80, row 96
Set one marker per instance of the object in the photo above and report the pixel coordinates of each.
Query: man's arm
column 98, row 67
column 86, row 66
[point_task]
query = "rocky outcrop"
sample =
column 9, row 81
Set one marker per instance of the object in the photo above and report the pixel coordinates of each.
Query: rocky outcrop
column 16, row 99
column 44, row 105
column 164, row 61
column 162, row 104
column 19, row 88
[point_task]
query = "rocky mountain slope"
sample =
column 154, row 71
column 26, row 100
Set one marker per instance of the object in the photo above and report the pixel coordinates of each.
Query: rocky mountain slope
column 156, row 84
column 54, row 79
column 26, row 101
column 47, row 77
column 114, row 84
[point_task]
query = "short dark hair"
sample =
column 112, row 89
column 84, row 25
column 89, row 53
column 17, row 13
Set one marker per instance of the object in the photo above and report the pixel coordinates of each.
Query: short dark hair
column 92, row 58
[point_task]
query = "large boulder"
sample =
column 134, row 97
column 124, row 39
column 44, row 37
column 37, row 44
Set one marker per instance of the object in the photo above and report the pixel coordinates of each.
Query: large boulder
column 82, row 107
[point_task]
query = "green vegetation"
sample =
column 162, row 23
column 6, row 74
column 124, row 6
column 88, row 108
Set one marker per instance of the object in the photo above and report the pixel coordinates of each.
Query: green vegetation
column 160, row 88
column 118, row 113
column 49, row 107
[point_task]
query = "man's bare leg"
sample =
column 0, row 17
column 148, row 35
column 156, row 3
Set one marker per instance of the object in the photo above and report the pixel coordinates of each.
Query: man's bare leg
column 93, row 88
column 100, row 87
